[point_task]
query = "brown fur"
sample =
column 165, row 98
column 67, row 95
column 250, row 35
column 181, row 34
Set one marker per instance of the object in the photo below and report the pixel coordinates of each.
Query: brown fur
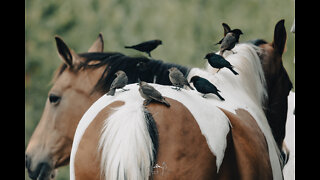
column 278, row 82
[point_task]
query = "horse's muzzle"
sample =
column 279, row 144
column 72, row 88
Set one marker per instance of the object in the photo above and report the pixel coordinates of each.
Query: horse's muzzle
column 41, row 171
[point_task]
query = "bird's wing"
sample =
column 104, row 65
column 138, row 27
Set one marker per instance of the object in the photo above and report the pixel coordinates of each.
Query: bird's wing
column 208, row 85
column 228, row 40
column 151, row 92
column 224, row 63
column 114, row 83
column 176, row 75
column 226, row 28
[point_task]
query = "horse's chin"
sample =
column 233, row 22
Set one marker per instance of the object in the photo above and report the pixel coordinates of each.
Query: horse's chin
column 50, row 174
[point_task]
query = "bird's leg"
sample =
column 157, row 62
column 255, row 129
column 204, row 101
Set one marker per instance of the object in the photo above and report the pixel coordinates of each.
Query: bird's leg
column 204, row 96
column 149, row 54
column 175, row 87
column 218, row 70
column 233, row 52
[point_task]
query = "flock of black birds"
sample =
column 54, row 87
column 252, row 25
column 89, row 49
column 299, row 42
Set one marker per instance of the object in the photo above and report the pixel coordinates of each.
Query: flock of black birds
column 202, row 85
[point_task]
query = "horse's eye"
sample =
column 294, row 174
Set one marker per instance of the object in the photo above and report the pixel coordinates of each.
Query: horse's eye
column 54, row 99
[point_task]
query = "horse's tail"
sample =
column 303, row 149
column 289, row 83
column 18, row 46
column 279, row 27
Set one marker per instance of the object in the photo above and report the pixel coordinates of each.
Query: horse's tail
column 128, row 143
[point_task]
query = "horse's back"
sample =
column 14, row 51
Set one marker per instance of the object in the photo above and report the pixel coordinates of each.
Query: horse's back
column 185, row 141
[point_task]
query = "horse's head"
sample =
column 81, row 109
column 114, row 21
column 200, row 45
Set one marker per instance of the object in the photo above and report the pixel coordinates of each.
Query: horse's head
column 68, row 99
column 278, row 82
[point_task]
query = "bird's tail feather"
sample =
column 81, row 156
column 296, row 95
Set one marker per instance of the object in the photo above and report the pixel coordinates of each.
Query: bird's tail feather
column 190, row 86
column 165, row 102
column 220, row 97
column 128, row 47
column 111, row 92
column 234, row 72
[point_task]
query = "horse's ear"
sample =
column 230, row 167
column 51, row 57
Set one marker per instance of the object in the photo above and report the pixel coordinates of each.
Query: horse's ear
column 68, row 56
column 279, row 38
column 97, row 46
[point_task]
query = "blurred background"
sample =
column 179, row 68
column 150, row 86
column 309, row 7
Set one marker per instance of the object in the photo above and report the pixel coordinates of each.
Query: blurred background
column 187, row 28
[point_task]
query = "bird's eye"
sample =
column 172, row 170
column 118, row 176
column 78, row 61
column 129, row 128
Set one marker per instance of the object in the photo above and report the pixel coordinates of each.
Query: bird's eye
column 54, row 99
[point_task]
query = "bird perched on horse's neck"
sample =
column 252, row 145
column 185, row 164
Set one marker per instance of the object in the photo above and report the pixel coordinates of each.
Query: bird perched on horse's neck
column 231, row 37
column 147, row 46
column 119, row 82
column 217, row 61
column 177, row 78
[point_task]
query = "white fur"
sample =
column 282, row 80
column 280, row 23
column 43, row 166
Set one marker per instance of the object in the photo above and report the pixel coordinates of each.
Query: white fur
column 289, row 168
column 246, row 90
column 126, row 144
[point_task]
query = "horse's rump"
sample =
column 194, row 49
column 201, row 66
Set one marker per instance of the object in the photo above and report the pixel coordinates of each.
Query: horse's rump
column 213, row 124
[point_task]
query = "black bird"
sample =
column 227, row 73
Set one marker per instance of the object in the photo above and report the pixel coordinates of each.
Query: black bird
column 217, row 61
column 119, row 82
column 147, row 46
column 149, row 93
column 204, row 86
column 177, row 79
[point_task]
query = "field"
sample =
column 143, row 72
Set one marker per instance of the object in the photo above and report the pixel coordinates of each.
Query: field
column 188, row 29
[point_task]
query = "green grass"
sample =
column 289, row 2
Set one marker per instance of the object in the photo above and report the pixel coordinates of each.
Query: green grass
column 188, row 29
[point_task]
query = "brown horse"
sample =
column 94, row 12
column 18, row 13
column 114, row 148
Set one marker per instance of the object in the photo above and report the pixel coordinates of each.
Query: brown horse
column 117, row 138
column 78, row 82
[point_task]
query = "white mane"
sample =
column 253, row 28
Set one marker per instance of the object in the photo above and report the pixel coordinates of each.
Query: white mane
column 249, row 85
column 126, row 148
column 246, row 90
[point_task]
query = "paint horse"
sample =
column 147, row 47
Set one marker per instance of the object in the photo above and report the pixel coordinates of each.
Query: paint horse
column 77, row 83
column 196, row 138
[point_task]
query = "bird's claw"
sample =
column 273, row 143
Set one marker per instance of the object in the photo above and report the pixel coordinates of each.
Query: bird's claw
column 176, row 88
column 123, row 90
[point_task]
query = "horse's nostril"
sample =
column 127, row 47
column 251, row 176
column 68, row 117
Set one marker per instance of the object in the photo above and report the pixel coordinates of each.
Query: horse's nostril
column 42, row 171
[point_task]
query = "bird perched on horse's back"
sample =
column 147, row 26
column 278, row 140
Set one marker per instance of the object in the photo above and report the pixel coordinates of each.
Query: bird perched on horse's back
column 217, row 61
column 204, row 86
column 146, row 46
column 177, row 78
column 149, row 93
column 119, row 82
